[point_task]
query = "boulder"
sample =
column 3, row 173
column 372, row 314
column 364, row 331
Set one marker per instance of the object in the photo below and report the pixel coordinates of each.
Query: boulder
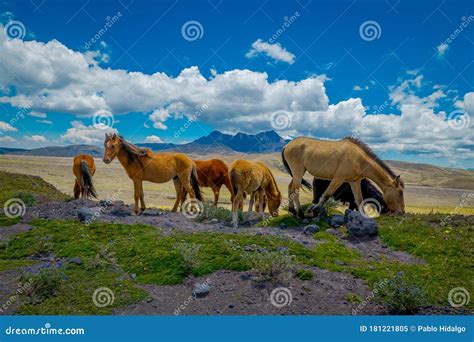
column 88, row 214
column 360, row 226
column 337, row 220
column 310, row 229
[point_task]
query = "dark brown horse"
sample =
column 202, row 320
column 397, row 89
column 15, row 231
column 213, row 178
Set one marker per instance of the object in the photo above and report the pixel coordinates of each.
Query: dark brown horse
column 83, row 169
column 345, row 195
column 214, row 174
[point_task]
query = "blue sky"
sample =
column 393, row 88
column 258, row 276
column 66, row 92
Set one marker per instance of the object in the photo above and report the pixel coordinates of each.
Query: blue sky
column 405, row 86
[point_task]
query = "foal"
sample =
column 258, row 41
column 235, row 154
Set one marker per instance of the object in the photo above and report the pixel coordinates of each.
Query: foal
column 253, row 178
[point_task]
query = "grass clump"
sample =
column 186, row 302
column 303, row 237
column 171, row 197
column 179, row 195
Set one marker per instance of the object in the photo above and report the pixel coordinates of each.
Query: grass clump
column 277, row 266
column 304, row 274
column 402, row 296
column 210, row 212
column 44, row 285
column 189, row 252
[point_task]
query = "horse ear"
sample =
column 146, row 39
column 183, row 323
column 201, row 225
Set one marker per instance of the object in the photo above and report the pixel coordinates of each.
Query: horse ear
column 114, row 136
column 107, row 135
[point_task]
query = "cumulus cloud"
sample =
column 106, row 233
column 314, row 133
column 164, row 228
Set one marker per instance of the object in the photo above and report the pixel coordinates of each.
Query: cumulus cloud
column 275, row 51
column 53, row 78
column 37, row 114
column 82, row 134
column 153, row 139
column 7, row 139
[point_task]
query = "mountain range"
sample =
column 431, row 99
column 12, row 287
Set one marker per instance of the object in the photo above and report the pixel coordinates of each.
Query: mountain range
column 214, row 143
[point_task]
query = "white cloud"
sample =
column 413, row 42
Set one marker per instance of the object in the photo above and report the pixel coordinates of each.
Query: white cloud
column 82, row 134
column 359, row 88
column 47, row 122
column 53, row 78
column 275, row 51
column 36, row 138
column 442, row 48
column 153, row 139
column 7, row 139
column 37, row 114
column 158, row 117
column 6, row 127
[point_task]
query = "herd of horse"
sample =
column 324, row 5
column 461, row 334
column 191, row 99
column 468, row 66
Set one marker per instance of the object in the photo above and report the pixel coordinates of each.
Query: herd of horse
column 345, row 169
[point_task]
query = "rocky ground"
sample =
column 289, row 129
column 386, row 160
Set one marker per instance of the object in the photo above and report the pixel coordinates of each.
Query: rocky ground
column 225, row 292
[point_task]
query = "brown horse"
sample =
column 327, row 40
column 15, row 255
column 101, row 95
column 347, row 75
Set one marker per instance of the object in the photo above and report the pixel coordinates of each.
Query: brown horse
column 252, row 178
column 83, row 169
column 212, row 173
column 347, row 160
column 141, row 164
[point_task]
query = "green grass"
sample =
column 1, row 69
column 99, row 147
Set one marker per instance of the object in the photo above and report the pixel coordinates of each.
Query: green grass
column 109, row 250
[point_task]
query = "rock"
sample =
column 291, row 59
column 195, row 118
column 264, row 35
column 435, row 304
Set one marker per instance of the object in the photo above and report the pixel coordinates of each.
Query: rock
column 201, row 290
column 360, row 226
column 283, row 225
column 214, row 221
column 133, row 276
column 152, row 212
column 305, row 221
column 121, row 211
column 331, row 231
column 88, row 214
column 339, row 262
column 76, row 261
column 231, row 306
column 310, row 229
column 149, row 299
column 337, row 221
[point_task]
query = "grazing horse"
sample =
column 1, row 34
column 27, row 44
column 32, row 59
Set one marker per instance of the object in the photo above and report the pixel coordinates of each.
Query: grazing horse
column 141, row 164
column 212, row 173
column 345, row 195
column 347, row 160
column 252, row 178
column 83, row 169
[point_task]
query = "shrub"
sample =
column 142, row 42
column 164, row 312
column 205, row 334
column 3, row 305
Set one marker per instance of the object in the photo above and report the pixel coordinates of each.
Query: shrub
column 27, row 197
column 210, row 212
column 44, row 285
column 277, row 266
column 189, row 252
column 402, row 296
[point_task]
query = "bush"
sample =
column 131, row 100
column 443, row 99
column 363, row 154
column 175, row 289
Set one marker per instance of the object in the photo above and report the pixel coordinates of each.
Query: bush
column 210, row 212
column 27, row 197
column 44, row 285
column 277, row 266
column 402, row 296
column 189, row 252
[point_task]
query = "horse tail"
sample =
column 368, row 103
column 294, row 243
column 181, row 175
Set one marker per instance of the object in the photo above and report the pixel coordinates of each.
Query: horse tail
column 305, row 183
column 195, row 184
column 87, row 180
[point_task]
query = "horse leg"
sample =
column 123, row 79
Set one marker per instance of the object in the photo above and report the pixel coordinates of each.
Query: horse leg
column 142, row 199
column 216, row 191
column 228, row 185
column 77, row 190
column 260, row 202
column 180, row 193
column 137, row 185
column 185, row 179
column 236, row 204
column 357, row 192
column 333, row 186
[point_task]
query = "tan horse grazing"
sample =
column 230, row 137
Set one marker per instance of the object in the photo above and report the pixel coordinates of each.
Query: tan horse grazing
column 347, row 160
column 83, row 169
column 252, row 178
column 213, row 173
column 143, row 165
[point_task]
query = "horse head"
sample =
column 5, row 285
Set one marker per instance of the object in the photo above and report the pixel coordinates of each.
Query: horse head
column 111, row 147
column 393, row 196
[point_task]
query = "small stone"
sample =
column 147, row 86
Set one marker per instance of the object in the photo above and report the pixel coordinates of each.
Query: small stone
column 310, row 229
column 283, row 225
column 121, row 211
column 359, row 225
column 331, row 231
column 152, row 212
column 339, row 262
column 231, row 306
column 87, row 215
column 76, row 261
column 305, row 221
column 133, row 276
column 214, row 221
column 201, row 290
column 149, row 300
